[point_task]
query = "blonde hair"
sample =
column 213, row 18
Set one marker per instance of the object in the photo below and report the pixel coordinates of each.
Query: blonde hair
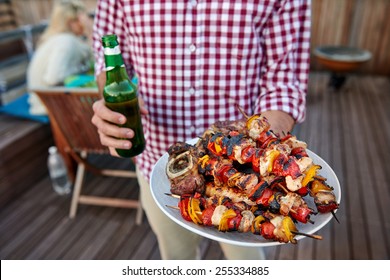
column 63, row 12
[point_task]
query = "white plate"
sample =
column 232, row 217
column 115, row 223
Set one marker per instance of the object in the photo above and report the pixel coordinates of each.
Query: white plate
column 160, row 185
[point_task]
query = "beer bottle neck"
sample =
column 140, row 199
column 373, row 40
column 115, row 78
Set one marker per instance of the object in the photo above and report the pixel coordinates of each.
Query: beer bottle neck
column 115, row 67
column 117, row 74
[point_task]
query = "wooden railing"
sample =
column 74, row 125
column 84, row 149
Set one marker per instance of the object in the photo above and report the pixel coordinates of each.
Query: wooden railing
column 17, row 47
column 361, row 24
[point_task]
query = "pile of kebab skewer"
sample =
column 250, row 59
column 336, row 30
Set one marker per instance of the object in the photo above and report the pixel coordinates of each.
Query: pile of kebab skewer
column 240, row 176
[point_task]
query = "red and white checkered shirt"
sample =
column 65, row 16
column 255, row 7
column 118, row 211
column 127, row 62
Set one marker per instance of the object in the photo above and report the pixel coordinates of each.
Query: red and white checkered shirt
column 196, row 59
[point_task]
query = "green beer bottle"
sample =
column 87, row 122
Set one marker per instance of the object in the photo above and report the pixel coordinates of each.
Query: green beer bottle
column 120, row 94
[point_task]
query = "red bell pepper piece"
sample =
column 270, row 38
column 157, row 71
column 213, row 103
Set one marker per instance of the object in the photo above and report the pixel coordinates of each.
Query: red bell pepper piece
column 326, row 208
column 267, row 230
column 234, row 223
column 302, row 214
column 286, row 166
column 247, row 154
column 256, row 160
column 299, row 152
column 269, row 141
column 215, row 145
column 183, row 205
column 285, row 138
column 223, row 174
column 234, row 133
column 258, row 190
column 264, row 136
column 264, row 198
column 207, row 214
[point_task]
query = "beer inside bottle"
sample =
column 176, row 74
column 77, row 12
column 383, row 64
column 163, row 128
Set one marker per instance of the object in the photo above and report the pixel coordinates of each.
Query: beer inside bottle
column 120, row 95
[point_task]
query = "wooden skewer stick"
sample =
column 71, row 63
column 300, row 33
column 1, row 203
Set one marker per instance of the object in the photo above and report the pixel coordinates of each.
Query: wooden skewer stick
column 319, row 237
column 319, row 177
column 172, row 195
column 177, row 208
column 173, row 207
column 242, row 111
column 314, row 236
column 283, row 188
column 334, row 215
column 178, row 196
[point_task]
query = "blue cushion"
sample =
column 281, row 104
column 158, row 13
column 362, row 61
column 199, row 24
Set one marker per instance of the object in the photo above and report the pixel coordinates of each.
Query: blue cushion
column 20, row 108
column 85, row 80
column 80, row 80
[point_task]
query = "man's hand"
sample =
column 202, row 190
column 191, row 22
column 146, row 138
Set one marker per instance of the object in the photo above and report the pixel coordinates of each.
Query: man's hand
column 281, row 122
column 107, row 122
column 111, row 135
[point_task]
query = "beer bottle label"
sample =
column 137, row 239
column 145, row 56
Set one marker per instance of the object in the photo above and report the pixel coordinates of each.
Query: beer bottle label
column 113, row 58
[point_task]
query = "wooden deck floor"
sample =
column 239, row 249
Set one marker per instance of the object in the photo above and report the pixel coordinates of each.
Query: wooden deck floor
column 348, row 129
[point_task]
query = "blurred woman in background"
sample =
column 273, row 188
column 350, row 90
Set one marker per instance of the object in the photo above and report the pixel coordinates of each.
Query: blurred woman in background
column 64, row 49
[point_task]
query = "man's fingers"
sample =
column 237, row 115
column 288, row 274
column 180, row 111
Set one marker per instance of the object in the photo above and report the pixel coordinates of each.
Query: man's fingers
column 114, row 143
column 105, row 113
column 112, row 130
column 111, row 135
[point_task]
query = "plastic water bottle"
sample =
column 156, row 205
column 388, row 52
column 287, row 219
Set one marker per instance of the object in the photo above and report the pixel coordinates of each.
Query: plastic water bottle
column 58, row 172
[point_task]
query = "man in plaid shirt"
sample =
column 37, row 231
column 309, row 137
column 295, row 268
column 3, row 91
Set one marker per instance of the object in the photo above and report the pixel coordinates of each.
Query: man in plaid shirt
column 195, row 60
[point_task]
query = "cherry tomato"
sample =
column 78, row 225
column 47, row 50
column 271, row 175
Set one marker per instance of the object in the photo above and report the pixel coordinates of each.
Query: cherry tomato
column 303, row 191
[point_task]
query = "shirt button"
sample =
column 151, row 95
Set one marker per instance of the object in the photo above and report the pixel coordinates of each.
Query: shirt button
column 192, row 48
column 192, row 129
column 191, row 91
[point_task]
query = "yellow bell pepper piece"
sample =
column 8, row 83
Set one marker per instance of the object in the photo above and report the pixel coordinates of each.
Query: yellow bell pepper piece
column 223, row 224
column 203, row 160
column 194, row 210
column 272, row 156
column 318, row 186
column 250, row 120
column 217, row 147
column 256, row 225
column 288, row 226
column 310, row 174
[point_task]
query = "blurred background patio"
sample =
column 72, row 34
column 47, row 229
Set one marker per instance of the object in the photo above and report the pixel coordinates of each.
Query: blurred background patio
column 348, row 127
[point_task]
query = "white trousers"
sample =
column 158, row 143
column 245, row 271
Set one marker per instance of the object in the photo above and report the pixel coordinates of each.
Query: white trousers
column 178, row 243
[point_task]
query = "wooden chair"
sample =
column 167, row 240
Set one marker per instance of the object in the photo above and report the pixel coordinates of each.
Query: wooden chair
column 70, row 112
